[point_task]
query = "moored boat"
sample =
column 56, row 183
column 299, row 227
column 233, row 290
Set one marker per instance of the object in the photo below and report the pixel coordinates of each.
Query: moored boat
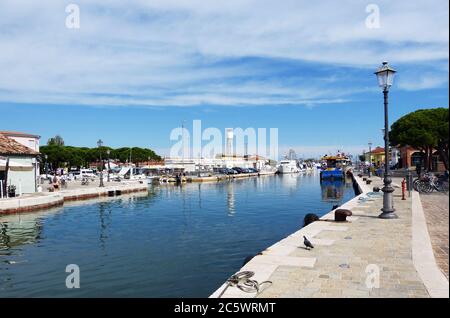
column 335, row 166
column 288, row 166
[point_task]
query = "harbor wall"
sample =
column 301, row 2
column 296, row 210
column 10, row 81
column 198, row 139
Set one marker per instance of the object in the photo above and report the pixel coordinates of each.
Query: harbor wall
column 40, row 201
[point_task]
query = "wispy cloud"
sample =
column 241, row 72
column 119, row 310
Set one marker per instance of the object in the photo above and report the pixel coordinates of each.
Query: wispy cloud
column 235, row 52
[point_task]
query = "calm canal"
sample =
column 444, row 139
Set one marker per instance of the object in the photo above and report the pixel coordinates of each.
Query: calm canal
column 172, row 242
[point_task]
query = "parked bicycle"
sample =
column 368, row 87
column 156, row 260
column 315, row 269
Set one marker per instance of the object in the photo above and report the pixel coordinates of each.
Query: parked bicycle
column 430, row 182
column 85, row 181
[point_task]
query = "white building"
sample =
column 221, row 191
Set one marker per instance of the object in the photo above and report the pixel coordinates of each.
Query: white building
column 18, row 166
column 28, row 140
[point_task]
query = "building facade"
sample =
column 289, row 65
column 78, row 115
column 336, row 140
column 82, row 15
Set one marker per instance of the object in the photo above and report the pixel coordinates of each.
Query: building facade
column 410, row 157
column 18, row 166
column 209, row 164
column 377, row 156
column 28, row 140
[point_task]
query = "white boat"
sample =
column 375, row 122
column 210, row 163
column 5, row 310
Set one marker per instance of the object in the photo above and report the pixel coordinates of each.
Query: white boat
column 129, row 173
column 288, row 166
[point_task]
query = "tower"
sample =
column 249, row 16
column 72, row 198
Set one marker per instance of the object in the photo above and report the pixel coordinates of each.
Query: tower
column 229, row 142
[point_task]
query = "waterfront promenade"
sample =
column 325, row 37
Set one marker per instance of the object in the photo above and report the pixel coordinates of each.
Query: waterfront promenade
column 74, row 192
column 366, row 257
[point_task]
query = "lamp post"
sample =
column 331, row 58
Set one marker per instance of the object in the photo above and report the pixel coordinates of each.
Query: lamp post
column 370, row 159
column 100, row 144
column 108, row 152
column 385, row 76
column 46, row 167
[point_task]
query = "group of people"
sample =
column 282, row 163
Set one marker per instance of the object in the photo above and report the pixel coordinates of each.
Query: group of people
column 58, row 182
column 377, row 169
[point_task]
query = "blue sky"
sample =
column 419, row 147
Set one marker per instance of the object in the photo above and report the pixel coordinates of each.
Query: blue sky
column 133, row 72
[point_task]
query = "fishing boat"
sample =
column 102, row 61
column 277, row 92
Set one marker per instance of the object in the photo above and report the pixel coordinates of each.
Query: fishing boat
column 334, row 167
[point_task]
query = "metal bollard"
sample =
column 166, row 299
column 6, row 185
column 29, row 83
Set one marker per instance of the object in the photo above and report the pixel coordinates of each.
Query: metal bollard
column 403, row 188
column 409, row 183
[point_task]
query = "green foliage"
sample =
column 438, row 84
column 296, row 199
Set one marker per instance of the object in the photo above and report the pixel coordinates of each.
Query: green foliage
column 56, row 141
column 414, row 129
column 424, row 129
column 60, row 155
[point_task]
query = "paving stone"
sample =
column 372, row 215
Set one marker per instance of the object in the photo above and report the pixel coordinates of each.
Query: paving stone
column 384, row 244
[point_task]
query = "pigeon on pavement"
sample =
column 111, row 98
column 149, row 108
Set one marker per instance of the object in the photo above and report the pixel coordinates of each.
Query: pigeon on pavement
column 307, row 243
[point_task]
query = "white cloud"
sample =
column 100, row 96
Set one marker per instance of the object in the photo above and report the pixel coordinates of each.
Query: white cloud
column 422, row 82
column 176, row 52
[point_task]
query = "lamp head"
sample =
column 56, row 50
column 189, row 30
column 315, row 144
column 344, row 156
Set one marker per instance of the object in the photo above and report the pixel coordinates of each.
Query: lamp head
column 385, row 75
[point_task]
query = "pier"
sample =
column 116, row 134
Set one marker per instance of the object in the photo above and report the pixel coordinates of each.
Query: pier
column 364, row 257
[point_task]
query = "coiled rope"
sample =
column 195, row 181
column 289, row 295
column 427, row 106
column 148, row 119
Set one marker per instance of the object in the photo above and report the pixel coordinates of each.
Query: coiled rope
column 242, row 281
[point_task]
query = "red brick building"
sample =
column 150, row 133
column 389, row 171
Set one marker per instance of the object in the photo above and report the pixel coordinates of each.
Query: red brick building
column 409, row 157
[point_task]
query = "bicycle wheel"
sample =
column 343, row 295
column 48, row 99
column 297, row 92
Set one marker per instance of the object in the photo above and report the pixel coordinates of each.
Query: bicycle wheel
column 416, row 184
column 441, row 186
column 424, row 187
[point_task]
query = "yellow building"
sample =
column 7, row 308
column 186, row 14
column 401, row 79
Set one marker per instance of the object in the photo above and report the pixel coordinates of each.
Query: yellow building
column 376, row 156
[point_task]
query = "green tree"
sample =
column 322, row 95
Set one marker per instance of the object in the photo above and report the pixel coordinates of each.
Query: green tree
column 67, row 156
column 56, row 141
column 424, row 129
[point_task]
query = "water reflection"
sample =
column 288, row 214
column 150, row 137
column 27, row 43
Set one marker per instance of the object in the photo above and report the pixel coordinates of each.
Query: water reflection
column 21, row 229
column 290, row 182
column 230, row 199
column 332, row 191
column 105, row 220
column 170, row 242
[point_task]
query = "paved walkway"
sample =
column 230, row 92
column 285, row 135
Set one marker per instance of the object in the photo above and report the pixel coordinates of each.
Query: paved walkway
column 366, row 257
column 436, row 208
column 341, row 268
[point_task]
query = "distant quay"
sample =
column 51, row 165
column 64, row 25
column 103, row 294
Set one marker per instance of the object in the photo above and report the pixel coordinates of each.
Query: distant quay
column 211, row 178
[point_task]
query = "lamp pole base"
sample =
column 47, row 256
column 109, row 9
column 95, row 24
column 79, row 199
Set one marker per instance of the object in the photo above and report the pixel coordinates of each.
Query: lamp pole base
column 388, row 215
column 388, row 206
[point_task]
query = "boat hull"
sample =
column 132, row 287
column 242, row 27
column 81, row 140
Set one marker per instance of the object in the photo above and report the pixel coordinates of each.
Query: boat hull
column 332, row 174
column 288, row 170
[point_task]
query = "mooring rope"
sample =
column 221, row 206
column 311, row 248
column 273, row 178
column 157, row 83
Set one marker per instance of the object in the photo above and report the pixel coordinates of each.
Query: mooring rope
column 242, row 281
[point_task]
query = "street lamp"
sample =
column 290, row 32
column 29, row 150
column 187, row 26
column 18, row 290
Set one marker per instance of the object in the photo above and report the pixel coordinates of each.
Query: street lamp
column 46, row 167
column 385, row 76
column 370, row 159
column 108, row 152
column 100, row 144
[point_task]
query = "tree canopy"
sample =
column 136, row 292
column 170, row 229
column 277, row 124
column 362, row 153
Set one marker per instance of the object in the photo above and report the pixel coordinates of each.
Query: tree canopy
column 426, row 130
column 68, row 156
column 56, row 141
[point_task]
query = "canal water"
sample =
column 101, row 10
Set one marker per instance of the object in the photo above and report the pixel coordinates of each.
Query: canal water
column 172, row 242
